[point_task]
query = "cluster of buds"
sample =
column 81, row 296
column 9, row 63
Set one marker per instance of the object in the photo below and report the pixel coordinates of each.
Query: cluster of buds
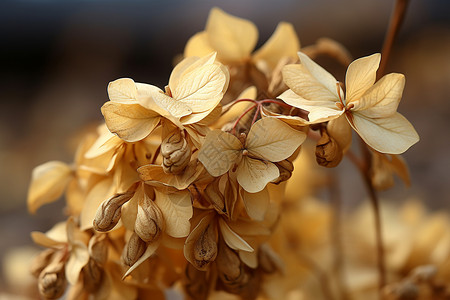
column 182, row 186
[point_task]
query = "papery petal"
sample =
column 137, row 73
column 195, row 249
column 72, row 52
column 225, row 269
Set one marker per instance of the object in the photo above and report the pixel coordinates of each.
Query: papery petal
column 319, row 110
column 153, row 98
column 233, row 240
column 219, row 152
column 122, row 91
column 203, row 88
column 340, row 130
column 177, row 210
column 256, row 204
column 291, row 120
column 382, row 99
column 105, row 142
column 55, row 237
column 99, row 193
column 188, row 65
column 193, row 237
column 232, row 37
column 131, row 122
column 361, row 75
column 273, row 140
column 393, row 135
column 48, row 182
column 283, row 42
column 253, row 174
column 79, row 257
column 198, row 45
column 151, row 248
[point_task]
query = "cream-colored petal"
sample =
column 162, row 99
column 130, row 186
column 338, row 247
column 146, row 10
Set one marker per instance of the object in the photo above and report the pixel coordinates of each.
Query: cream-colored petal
column 361, row 75
column 291, row 120
column 340, row 130
column 311, row 81
column 249, row 258
column 382, row 99
column 131, row 122
column 122, row 91
column 233, row 240
column 105, row 142
column 153, row 98
column 48, row 182
column 54, row 238
column 130, row 208
column 319, row 110
column 79, row 257
column 256, row 204
column 233, row 38
column 253, row 174
column 198, row 45
column 188, row 65
column 219, row 152
column 151, row 249
column 393, row 135
column 99, row 193
column 177, row 210
column 203, row 88
column 273, row 140
column 283, row 42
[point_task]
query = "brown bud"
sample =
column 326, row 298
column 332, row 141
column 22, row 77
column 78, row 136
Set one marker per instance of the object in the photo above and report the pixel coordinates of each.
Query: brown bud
column 176, row 152
column 149, row 220
column 328, row 152
column 133, row 250
column 98, row 249
column 285, row 167
column 108, row 214
column 269, row 261
column 205, row 249
column 93, row 274
column 52, row 280
column 229, row 264
column 196, row 285
column 41, row 261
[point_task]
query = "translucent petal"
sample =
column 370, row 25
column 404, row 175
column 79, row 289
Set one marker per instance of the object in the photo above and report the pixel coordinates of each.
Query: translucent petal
column 253, row 174
column 361, row 75
column 198, row 45
column 177, row 210
column 79, row 257
column 122, row 91
column 233, row 240
column 256, row 204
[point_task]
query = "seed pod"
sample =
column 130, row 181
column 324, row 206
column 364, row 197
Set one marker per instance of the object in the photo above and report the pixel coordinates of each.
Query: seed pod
column 176, row 152
column 108, row 214
column 52, row 280
column 196, row 284
column 133, row 250
column 41, row 261
column 149, row 220
column 328, row 152
column 98, row 249
column 229, row 264
column 285, row 167
column 205, row 249
column 93, row 275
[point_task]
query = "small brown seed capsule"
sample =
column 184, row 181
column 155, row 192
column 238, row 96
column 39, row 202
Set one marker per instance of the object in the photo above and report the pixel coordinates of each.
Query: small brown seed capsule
column 149, row 220
column 205, row 249
column 133, row 250
column 52, row 281
column 176, row 152
column 229, row 264
column 285, row 167
column 328, row 152
column 108, row 214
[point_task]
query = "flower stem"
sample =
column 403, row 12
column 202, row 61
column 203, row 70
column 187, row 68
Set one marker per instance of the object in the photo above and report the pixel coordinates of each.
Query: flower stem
column 393, row 29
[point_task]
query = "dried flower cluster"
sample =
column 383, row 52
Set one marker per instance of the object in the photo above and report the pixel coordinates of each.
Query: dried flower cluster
column 184, row 187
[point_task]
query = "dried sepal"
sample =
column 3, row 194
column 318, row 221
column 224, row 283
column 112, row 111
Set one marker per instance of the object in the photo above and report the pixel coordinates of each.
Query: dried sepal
column 176, row 152
column 109, row 212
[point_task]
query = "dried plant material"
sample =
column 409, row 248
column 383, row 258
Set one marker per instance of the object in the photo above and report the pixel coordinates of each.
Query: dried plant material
column 330, row 47
column 48, row 183
column 176, row 209
column 149, row 220
column 384, row 166
column 176, row 152
column 52, row 282
column 328, row 151
column 134, row 250
column 254, row 157
column 369, row 108
column 108, row 214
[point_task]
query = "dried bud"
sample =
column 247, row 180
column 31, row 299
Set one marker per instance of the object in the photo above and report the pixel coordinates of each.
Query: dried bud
column 328, row 152
column 176, row 152
column 269, row 260
column 215, row 197
column 52, row 281
column 205, row 249
column 196, row 283
column 229, row 264
column 285, row 167
column 93, row 274
column 133, row 250
column 98, row 249
column 41, row 261
column 108, row 214
column 149, row 220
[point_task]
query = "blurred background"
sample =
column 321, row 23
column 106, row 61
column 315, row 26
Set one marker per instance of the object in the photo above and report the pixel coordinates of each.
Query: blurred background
column 57, row 57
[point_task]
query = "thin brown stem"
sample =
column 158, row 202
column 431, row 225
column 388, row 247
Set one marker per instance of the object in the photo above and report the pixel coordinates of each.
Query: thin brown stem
column 393, row 29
